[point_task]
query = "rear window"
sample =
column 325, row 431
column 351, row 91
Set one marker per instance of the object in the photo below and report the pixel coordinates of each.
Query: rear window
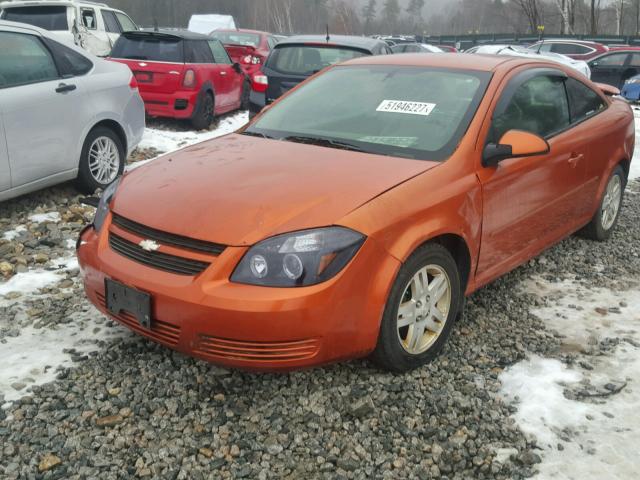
column 309, row 59
column 158, row 49
column 47, row 17
column 237, row 38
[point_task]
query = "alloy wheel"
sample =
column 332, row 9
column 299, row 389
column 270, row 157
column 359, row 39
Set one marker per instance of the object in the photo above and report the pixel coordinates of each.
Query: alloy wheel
column 424, row 308
column 611, row 202
column 104, row 160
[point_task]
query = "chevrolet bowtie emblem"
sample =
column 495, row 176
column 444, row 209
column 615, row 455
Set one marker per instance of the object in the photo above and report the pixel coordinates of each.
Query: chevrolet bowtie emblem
column 149, row 245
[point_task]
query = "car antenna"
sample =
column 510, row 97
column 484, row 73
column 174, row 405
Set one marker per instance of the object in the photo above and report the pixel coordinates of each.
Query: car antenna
column 155, row 24
column 328, row 36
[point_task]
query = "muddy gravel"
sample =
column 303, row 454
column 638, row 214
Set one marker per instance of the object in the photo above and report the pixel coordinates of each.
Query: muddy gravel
column 131, row 408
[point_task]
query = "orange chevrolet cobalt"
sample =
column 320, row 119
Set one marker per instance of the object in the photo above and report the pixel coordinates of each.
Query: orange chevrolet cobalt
column 353, row 215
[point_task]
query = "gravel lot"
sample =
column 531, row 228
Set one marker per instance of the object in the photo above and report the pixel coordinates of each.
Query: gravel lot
column 118, row 406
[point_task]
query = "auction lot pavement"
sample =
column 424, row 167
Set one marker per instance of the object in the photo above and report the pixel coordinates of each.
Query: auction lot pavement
column 540, row 378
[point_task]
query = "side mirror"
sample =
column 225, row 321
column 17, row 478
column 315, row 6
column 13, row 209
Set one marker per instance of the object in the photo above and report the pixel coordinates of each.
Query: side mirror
column 514, row 144
column 608, row 90
column 237, row 67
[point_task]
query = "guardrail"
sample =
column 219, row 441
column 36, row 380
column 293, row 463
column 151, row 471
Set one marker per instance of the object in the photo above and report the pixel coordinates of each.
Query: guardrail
column 468, row 41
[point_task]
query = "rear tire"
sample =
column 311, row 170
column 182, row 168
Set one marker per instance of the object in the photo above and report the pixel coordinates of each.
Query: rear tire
column 606, row 217
column 204, row 114
column 417, row 321
column 101, row 161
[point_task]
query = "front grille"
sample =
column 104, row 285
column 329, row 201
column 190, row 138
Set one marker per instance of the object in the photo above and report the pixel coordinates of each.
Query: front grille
column 167, row 238
column 159, row 260
column 257, row 351
column 160, row 331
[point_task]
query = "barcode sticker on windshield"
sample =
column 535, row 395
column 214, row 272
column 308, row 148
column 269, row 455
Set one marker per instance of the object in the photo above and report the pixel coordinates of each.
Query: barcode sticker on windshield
column 401, row 106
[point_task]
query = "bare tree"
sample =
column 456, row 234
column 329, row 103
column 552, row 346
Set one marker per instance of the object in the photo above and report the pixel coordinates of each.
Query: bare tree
column 369, row 14
column 531, row 10
column 391, row 12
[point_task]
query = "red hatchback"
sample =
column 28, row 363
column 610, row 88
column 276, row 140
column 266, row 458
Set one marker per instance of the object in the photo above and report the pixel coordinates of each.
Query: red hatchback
column 576, row 49
column 183, row 75
column 249, row 48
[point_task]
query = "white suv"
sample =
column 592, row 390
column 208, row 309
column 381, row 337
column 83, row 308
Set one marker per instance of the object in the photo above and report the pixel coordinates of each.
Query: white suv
column 92, row 26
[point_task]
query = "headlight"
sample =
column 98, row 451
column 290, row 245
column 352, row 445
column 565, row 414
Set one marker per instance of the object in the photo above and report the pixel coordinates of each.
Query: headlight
column 633, row 81
column 298, row 259
column 103, row 207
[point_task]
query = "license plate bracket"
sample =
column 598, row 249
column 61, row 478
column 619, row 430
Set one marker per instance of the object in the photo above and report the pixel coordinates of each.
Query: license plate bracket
column 119, row 297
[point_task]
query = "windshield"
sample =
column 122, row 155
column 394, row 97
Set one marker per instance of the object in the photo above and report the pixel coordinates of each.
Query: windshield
column 47, row 17
column 159, row 49
column 411, row 112
column 237, row 38
column 309, row 59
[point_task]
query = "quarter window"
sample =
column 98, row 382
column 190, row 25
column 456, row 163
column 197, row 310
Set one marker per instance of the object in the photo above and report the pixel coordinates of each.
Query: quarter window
column 635, row 60
column 70, row 62
column 88, row 18
column 569, row 49
column 24, row 59
column 125, row 22
column 197, row 51
column 219, row 53
column 584, row 101
column 111, row 24
column 538, row 106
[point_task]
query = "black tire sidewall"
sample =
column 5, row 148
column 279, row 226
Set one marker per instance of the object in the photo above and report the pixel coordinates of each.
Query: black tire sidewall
column 389, row 353
column 244, row 98
column 85, row 181
column 199, row 120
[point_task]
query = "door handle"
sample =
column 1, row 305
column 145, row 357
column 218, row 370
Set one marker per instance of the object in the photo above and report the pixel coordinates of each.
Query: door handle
column 575, row 159
column 63, row 87
column 223, row 73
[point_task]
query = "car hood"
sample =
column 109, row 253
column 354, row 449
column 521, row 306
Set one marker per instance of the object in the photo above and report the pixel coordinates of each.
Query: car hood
column 237, row 189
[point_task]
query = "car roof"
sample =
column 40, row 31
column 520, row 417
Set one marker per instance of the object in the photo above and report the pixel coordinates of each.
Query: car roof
column 334, row 40
column 178, row 33
column 53, row 3
column 462, row 61
column 23, row 26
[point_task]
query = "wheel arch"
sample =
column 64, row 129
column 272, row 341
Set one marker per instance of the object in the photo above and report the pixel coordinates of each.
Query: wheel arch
column 116, row 128
column 457, row 246
column 625, row 163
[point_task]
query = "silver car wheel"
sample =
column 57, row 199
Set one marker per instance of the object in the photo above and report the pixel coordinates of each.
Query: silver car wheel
column 611, row 202
column 424, row 308
column 104, row 160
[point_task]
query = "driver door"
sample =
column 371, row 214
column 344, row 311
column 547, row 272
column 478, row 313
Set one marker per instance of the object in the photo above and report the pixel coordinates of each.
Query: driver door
column 532, row 201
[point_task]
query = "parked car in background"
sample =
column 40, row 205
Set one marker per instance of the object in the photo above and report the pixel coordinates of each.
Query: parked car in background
column 415, row 48
column 183, row 74
column 354, row 216
column 92, row 26
column 295, row 59
column 576, row 49
column 249, row 48
column 631, row 89
column 447, row 48
column 516, row 51
column 615, row 67
column 207, row 23
column 64, row 114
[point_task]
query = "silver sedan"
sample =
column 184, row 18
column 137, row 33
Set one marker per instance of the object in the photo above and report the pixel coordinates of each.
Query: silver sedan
column 64, row 114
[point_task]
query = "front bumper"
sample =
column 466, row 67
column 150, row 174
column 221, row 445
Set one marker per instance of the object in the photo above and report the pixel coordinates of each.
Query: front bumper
column 244, row 326
column 179, row 104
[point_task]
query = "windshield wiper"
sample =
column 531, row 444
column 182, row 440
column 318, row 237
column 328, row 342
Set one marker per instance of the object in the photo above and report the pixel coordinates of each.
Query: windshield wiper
column 255, row 134
column 323, row 142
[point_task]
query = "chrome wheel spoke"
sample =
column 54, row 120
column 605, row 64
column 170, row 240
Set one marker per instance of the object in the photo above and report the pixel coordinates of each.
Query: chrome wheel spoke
column 611, row 202
column 407, row 313
column 104, row 160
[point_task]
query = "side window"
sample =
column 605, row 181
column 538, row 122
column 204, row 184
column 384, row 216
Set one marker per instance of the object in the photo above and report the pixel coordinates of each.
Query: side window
column 70, row 62
column 545, row 47
column 570, row 49
column 220, row 55
column 635, row 60
column 197, row 51
column 88, row 18
column 584, row 102
column 538, row 106
column 126, row 23
column 24, row 59
column 111, row 24
column 613, row 60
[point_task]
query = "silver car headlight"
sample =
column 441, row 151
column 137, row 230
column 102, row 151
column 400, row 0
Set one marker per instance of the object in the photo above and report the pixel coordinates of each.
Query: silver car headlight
column 298, row 259
column 102, row 210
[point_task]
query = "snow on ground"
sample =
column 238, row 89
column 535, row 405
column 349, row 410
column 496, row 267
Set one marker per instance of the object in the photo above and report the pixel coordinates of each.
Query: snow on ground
column 585, row 418
column 168, row 141
column 45, row 217
column 36, row 355
column 34, row 279
column 12, row 234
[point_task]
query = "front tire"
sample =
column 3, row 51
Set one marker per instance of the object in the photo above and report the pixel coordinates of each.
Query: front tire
column 204, row 114
column 101, row 161
column 606, row 217
column 420, row 311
